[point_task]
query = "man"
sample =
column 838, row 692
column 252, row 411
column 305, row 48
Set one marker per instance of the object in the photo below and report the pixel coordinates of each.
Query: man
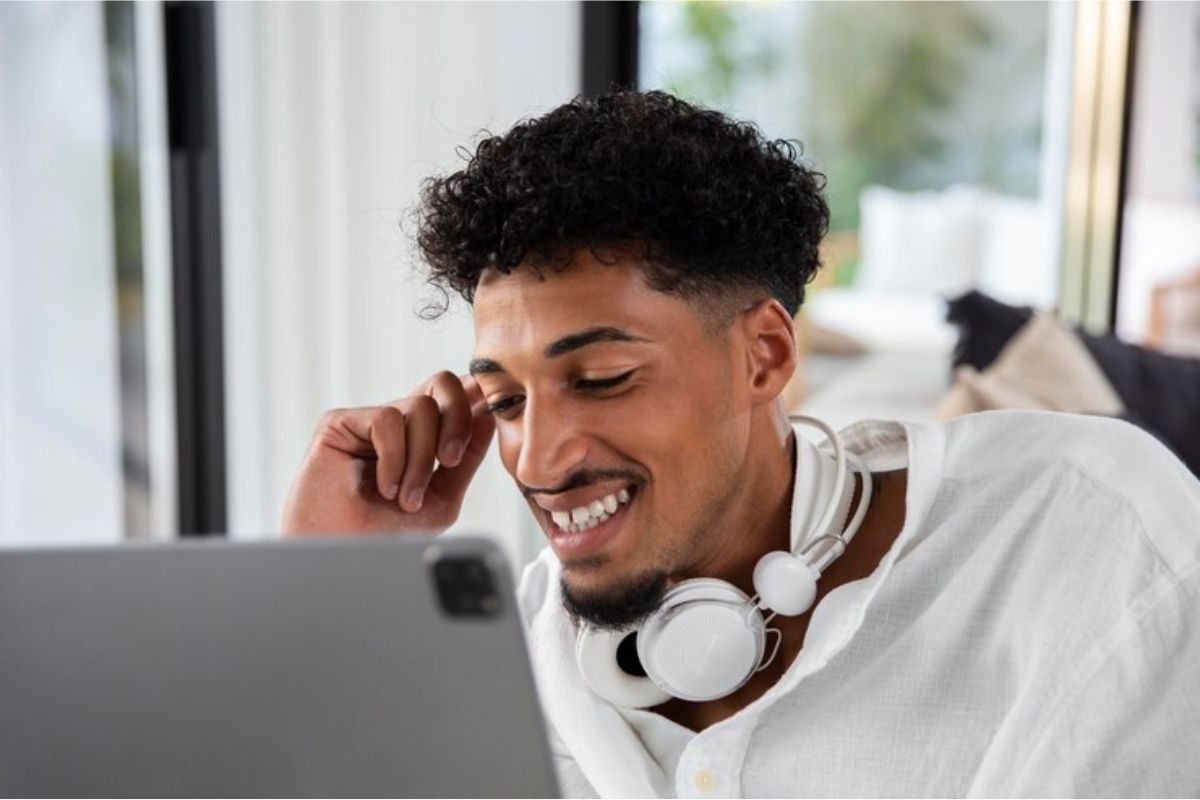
column 1016, row 615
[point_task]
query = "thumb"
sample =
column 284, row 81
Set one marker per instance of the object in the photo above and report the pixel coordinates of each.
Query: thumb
column 450, row 483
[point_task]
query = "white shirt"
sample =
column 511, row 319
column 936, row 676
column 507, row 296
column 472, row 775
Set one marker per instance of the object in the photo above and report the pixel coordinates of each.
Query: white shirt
column 1033, row 630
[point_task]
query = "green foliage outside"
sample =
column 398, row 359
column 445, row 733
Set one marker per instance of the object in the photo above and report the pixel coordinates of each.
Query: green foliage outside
column 887, row 90
column 881, row 84
column 728, row 58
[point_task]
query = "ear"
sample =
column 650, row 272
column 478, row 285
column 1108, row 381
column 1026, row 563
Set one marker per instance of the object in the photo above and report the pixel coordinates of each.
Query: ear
column 770, row 339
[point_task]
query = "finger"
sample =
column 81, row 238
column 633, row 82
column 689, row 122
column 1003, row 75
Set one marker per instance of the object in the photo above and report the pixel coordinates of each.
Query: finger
column 474, row 395
column 388, row 438
column 422, row 418
column 450, row 483
column 346, row 431
column 447, row 391
column 375, row 432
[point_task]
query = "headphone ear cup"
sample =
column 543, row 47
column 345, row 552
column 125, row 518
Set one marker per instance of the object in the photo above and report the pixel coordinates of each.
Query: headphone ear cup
column 600, row 655
column 704, row 642
column 785, row 583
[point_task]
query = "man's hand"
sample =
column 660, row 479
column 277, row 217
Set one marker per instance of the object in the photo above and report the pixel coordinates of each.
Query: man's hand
column 372, row 469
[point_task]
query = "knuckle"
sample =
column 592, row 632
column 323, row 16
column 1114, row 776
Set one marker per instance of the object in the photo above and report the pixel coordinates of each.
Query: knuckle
column 389, row 417
column 330, row 418
column 423, row 405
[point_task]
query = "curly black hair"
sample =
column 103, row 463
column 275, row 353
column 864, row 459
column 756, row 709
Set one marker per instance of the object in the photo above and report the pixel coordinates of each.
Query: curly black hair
column 714, row 205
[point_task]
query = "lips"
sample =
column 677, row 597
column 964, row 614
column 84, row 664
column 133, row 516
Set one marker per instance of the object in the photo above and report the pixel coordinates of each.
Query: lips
column 594, row 513
column 585, row 530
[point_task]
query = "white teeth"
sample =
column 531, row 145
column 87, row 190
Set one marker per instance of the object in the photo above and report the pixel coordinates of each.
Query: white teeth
column 591, row 515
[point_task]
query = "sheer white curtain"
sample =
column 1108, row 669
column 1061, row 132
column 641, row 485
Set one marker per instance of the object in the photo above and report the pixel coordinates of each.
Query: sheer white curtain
column 60, row 460
column 331, row 114
column 61, row 400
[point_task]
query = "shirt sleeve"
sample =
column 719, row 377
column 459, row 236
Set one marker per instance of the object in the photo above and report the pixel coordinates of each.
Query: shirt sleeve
column 1130, row 725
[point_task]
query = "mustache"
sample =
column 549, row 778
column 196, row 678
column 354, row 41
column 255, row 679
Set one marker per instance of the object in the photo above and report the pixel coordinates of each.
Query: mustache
column 582, row 478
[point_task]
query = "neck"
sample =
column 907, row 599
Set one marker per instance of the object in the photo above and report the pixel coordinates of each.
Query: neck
column 884, row 520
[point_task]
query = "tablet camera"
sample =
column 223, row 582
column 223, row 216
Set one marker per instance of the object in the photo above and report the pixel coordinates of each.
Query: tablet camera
column 465, row 586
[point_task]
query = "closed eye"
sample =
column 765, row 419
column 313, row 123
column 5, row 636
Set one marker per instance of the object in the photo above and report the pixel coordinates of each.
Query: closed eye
column 507, row 404
column 599, row 384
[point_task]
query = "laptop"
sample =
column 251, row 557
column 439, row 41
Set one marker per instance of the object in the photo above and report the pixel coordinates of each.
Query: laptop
column 380, row 666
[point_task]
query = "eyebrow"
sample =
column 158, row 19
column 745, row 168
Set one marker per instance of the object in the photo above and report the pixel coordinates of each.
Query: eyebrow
column 576, row 341
column 480, row 366
column 566, row 344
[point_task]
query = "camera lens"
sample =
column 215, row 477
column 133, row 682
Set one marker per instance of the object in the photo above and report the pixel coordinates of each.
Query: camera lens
column 465, row 586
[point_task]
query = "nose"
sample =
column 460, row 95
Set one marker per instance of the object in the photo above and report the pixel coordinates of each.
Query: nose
column 552, row 445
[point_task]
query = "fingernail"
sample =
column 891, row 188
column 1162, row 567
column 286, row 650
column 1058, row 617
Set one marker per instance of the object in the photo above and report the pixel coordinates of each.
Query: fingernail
column 392, row 491
column 454, row 451
column 413, row 499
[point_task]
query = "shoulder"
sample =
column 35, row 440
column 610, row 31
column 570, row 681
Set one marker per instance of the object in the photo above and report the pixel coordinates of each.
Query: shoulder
column 1067, row 436
column 1087, row 459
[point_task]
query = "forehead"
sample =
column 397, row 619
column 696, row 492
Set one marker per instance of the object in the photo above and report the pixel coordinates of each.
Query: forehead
column 530, row 307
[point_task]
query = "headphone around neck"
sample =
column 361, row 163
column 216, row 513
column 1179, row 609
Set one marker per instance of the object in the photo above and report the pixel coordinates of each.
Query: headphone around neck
column 708, row 638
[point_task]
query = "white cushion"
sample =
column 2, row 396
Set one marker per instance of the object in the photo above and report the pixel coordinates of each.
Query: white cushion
column 923, row 242
column 1016, row 264
column 888, row 321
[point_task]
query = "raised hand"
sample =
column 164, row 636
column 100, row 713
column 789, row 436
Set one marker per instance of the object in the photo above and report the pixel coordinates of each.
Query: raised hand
column 403, row 466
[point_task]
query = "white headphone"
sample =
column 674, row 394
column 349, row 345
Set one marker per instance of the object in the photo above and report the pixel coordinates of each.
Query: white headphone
column 708, row 638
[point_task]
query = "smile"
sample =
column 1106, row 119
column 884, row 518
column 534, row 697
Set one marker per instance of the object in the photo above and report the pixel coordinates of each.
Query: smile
column 594, row 513
column 587, row 529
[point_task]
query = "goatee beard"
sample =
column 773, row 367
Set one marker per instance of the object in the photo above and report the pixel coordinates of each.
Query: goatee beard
column 620, row 608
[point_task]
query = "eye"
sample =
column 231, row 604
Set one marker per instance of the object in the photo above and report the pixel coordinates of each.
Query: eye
column 600, row 384
column 501, row 407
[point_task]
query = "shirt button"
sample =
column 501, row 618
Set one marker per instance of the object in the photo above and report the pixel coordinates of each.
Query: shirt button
column 705, row 780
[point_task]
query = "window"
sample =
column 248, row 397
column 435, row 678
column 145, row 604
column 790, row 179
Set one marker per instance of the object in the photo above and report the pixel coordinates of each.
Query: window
column 942, row 130
column 82, row 392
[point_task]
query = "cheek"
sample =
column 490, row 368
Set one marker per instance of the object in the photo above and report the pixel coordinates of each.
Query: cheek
column 705, row 463
column 508, row 439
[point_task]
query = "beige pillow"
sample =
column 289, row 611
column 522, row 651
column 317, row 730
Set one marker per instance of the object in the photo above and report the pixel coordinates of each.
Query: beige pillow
column 1044, row 366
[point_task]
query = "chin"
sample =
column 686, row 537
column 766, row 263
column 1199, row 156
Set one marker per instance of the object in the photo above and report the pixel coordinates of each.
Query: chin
column 591, row 576
column 599, row 573
column 611, row 602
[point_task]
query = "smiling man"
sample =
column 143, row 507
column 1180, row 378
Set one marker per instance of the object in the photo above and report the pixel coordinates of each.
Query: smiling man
column 1015, row 615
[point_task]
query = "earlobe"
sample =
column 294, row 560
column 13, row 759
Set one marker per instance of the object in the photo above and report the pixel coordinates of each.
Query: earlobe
column 771, row 339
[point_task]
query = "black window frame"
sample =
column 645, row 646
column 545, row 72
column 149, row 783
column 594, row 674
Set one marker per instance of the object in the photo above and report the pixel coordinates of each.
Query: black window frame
column 610, row 46
column 189, row 30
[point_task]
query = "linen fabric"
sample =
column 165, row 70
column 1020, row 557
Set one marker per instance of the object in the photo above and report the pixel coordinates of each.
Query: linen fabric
column 1034, row 630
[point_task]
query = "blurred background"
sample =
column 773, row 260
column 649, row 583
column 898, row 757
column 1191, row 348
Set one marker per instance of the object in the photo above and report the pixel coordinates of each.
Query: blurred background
column 205, row 221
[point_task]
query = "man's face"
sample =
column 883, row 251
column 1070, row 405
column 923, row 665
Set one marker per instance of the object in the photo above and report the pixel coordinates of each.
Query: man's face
column 623, row 420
